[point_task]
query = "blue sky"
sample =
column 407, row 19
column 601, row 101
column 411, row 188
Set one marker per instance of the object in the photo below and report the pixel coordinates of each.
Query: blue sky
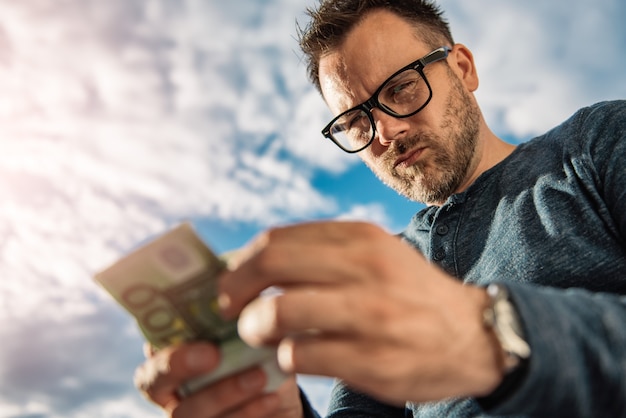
column 120, row 118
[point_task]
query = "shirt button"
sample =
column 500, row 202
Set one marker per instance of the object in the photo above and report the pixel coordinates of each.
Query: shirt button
column 442, row 229
column 439, row 255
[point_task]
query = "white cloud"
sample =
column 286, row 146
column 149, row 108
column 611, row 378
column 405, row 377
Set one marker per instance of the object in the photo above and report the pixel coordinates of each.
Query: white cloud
column 541, row 61
column 73, row 367
column 374, row 213
column 304, row 139
column 121, row 117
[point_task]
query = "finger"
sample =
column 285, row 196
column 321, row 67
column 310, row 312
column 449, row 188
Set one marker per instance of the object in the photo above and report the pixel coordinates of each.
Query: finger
column 160, row 376
column 264, row 406
column 372, row 367
column 266, row 320
column 340, row 358
column 337, row 231
column 284, row 402
column 291, row 257
column 229, row 394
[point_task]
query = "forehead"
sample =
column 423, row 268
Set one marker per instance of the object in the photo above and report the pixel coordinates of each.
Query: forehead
column 377, row 47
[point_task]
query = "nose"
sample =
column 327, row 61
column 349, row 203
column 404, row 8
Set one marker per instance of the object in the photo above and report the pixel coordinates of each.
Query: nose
column 389, row 128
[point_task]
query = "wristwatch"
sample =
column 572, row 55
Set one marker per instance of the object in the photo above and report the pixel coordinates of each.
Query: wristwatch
column 502, row 317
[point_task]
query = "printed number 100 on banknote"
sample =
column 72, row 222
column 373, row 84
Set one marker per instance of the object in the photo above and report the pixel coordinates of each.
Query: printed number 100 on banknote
column 170, row 287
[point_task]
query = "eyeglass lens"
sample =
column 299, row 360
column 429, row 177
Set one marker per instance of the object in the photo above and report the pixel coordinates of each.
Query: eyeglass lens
column 400, row 96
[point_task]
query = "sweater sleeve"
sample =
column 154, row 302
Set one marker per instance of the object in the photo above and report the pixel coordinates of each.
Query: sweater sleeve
column 578, row 362
column 346, row 403
column 578, row 337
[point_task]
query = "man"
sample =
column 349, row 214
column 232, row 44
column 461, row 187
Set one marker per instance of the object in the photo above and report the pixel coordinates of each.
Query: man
column 543, row 223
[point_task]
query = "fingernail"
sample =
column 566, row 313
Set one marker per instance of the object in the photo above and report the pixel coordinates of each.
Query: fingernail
column 247, row 325
column 285, row 356
column 224, row 301
column 199, row 358
column 252, row 381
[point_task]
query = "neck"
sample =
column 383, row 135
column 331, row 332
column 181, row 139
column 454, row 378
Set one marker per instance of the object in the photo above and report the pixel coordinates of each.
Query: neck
column 490, row 151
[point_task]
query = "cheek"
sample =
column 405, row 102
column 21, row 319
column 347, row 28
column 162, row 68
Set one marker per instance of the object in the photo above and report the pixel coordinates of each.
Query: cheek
column 375, row 150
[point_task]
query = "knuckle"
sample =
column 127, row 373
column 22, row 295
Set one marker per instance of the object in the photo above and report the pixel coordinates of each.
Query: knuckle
column 140, row 379
column 147, row 376
column 153, row 373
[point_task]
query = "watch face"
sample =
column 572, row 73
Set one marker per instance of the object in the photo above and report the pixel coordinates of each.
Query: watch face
column 505, row 322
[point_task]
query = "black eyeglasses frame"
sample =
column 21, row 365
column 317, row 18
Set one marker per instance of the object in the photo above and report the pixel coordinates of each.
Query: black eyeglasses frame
column 373, row 102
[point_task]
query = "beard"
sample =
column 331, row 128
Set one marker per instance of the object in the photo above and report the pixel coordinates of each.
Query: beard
column 451, row 153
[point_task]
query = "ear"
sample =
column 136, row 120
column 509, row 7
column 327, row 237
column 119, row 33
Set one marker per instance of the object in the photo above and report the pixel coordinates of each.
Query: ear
column 462, row 63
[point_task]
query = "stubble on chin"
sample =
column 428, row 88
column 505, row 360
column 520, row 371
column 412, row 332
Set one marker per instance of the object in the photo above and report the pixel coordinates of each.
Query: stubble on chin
column 429, row 181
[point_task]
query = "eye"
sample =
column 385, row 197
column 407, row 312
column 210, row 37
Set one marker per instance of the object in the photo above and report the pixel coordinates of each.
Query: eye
column 352, row 129
column 355, row 120
column 403, row 92
column 358, row 121
column 401, row 89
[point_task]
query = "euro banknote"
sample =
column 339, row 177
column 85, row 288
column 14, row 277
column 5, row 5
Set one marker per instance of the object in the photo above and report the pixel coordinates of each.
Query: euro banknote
column 170, row 286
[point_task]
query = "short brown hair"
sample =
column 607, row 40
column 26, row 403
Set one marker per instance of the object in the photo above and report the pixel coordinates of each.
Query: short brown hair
column 332, row 20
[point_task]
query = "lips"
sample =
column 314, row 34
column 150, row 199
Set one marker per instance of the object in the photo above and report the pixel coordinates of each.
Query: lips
column 409, row 158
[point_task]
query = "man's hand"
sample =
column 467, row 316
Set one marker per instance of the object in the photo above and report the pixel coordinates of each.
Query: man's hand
column 356, row 303
column 240, row 395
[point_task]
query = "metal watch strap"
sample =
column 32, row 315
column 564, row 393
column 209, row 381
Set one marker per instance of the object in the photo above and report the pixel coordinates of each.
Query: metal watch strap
column 502, row 317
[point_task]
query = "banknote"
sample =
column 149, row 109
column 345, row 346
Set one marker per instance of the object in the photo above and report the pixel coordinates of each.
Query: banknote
column 169, row 285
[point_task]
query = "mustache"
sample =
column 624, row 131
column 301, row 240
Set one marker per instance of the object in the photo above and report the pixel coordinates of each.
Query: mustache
column 400, row 146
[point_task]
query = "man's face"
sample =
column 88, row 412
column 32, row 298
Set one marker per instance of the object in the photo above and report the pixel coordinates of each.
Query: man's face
column 425, row 157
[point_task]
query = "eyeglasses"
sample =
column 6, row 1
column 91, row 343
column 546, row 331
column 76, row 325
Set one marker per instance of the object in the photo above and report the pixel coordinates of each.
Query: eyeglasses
column 403, row 94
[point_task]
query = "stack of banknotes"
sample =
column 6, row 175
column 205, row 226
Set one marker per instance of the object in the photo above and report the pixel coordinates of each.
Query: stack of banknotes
column 170, row 286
